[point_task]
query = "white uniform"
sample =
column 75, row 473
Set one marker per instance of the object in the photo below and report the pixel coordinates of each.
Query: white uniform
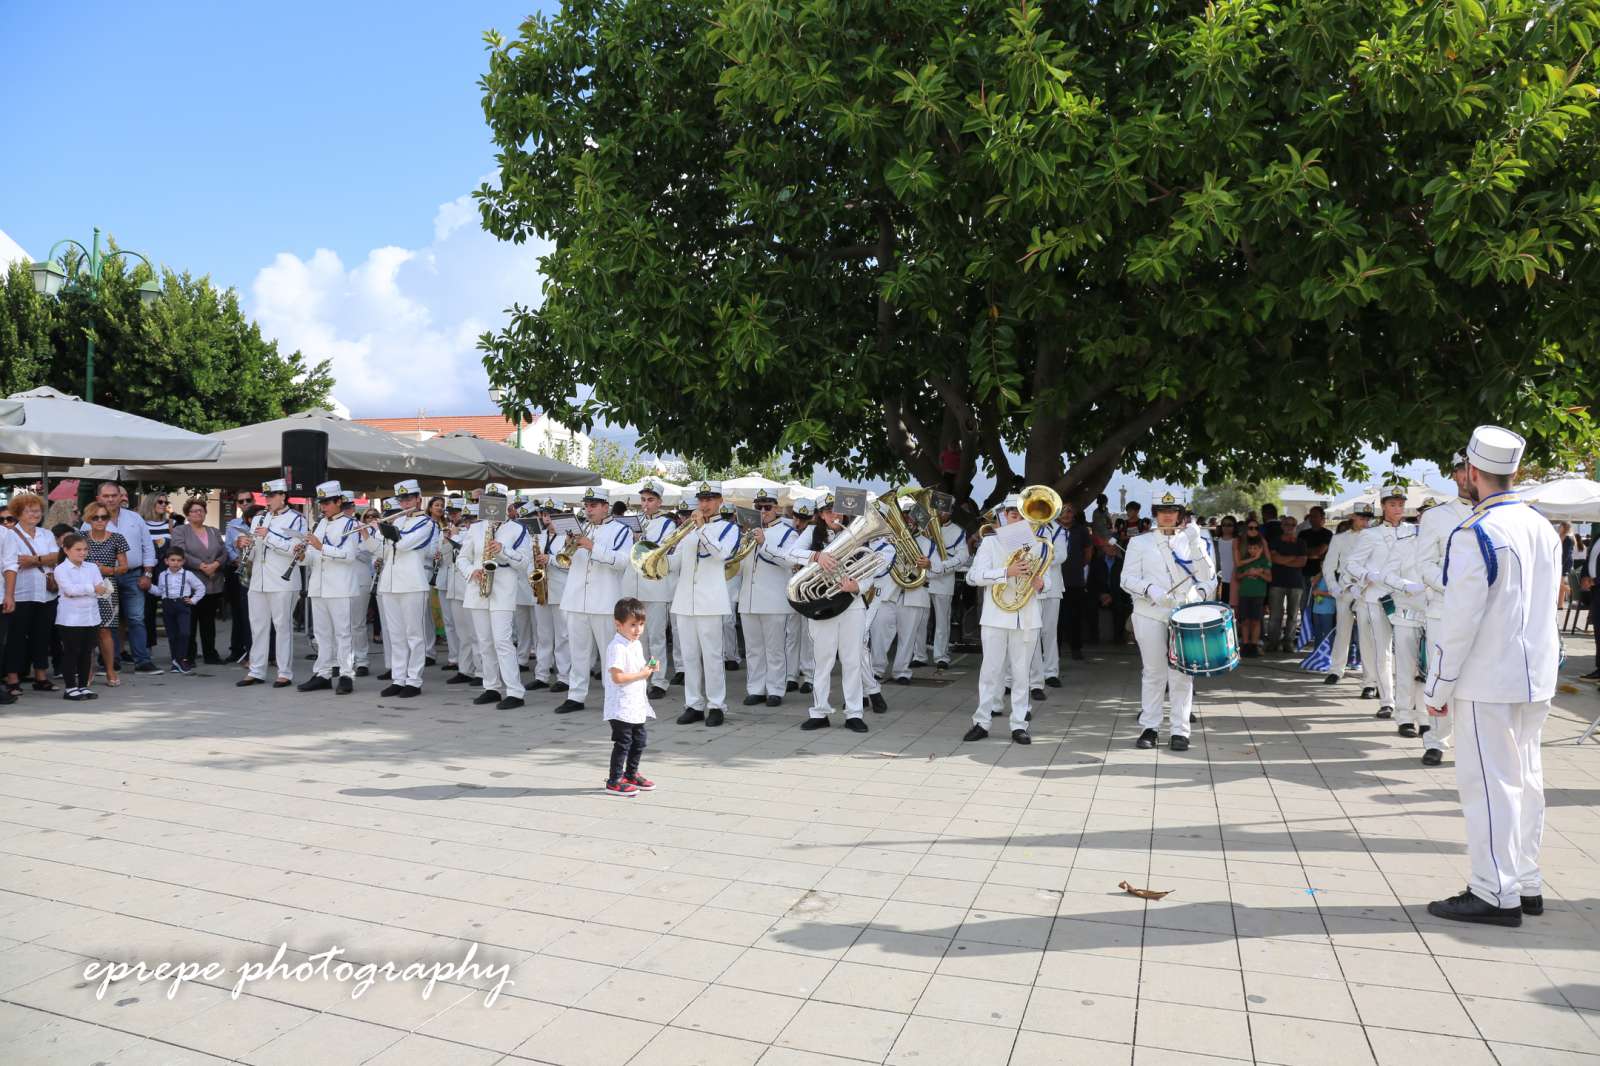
column 883, row 613
column 491, row 618
column 1159, row 574
column 942, row 587
column 274, row 581
column 1376, row 566
column 332, row 580
column 911, row 616
column 657, row 598
column 1434, row 529
column 797, row 632
column 403, row 593
column 553, row 656
column 593, row 587
column 699, row 606
column 764, row 610
column 445, row 561
column 841, row 638
column 1344, row 599
column 524, row 624
column 1047, row 661
column 1493, row 666
column 360, row 631
column 467, row 662
column 1009, row 637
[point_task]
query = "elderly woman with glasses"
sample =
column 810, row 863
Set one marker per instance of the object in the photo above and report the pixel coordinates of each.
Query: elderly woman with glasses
column 109, row 551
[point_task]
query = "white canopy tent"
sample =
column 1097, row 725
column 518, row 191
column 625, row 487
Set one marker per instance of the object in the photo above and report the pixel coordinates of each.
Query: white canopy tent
column 1566, row 499
column 43, row 428
column 1416, row 496
column 744, row 489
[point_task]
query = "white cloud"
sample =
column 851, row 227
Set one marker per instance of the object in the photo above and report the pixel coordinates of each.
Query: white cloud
column 401, row 327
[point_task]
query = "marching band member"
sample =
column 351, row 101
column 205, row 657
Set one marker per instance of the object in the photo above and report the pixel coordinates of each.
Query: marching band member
column 403, row 589
column 842, row 637
column 496, row 558
column 797, row 634
column 552, row 659
column 1345, row 596
column 1046, row 666
column 700, row 605
column 727, row 512
column 684, row 512
column 524, row 626
column 1433, row 535
column 1493, row 669
column 1376, row 567
column 911, row 616
column 333, row 552
column 469, row 668
column 275, row 534
column 655, row 525
column 361, row 564
column 446, row 562
column 1164, row 568
column 593, row 588
column 883, row 612
column 764, row 610
column 1009, row 637
column 942, row 586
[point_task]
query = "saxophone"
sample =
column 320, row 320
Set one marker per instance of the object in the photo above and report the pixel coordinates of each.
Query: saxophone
column 487, row 565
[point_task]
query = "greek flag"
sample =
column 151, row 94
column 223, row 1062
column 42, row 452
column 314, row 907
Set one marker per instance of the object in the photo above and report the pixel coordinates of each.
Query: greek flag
column 1303, row 639
column 1320, row 661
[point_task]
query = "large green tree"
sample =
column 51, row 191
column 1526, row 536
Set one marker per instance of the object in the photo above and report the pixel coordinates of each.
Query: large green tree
column 1241, row 236
column 192, row 359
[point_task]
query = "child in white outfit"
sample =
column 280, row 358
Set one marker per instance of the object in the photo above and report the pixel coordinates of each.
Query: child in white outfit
column 627, row 703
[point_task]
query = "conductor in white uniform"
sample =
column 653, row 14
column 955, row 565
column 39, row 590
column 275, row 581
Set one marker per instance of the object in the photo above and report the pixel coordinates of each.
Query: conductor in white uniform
column 1492, row 665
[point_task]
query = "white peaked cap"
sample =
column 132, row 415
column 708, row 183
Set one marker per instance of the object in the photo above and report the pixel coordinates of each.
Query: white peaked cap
column 408, row 487
column 277, row 484
column 1495, row 450
column 330, row 490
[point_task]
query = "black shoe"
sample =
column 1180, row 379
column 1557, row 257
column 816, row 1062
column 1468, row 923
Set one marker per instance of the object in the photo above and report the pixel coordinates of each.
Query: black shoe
column 690, row 716
column 346, row 686
column 538, row 683
column 1178, row 743
column 1422, row 730
column 902, row 681
column 754, row 700
column 1592, row 675
column 730, row 664
column 559, row 686
column 569, row 706
column 1533, row 905
column 942, row 664
column 1332, row 679
column 390, row 691
column 1020, row 736
column 459, row 679
column 486, row 697
column 656, row 693
column 918, row 664
column 677, row 678
column 429, row 660
column 213, row 660
column 1469, row 908
column 147, row 668
column 246, row 682
column 387, row 675
column 362, row 671
column 1036, row 695
column 455, row 668
column 1147, row 739
column 1368, row 692
column 409, row 692
column 714, row 717
column 855, row 725
column 1053, row 682
column 1384, row 712
column 1432, row 757
column 805, row 686
column 774, row 701
column 316, row 684
column 282, row 682
column 791, row 686
column 879, row 705
column 814, row 723
column 510, row 703
column 1407, row 730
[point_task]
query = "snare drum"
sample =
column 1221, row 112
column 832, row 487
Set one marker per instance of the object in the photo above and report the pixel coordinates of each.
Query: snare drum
column 1202, row 640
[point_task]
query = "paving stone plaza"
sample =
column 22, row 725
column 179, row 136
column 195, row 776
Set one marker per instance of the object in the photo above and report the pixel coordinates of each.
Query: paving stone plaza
column 783, row 898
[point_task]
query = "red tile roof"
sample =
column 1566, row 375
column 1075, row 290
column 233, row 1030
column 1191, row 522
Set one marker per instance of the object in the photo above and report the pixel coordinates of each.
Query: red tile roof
column 489, row 427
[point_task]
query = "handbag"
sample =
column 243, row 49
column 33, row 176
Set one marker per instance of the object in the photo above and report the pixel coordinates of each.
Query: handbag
column 49, row 576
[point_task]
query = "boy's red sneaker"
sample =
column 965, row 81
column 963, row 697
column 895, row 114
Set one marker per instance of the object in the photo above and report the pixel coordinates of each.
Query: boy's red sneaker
column 621, row 788
column 640, row 782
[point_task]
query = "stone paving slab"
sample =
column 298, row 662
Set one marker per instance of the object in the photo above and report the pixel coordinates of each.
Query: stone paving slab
column 783, row 898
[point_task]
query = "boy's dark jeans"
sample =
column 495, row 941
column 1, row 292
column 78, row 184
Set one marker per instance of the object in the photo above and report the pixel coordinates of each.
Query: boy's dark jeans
column 175, row 613
column 627, row 744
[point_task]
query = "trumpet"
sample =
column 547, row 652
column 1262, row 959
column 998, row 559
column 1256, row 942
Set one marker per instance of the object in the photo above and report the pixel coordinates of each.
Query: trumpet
column 569, row 549
column 1039, row 506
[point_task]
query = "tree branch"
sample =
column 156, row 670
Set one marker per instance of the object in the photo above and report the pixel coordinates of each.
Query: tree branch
column 1110, row 450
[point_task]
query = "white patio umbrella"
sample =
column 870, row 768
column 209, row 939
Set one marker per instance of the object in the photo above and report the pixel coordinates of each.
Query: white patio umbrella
column 514, row 467
column 573, row 494
column 744, row 489
column 1566, row 499
column 670, row 493
column 1416, row 496
column 45, row 427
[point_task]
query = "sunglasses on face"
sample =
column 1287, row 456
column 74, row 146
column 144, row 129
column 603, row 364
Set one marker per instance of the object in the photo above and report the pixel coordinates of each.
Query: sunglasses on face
column 764, row 506
column 1251, row 529
column 99, row 518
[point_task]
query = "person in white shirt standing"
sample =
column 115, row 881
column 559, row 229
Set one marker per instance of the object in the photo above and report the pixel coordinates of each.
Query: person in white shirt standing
column 942, row 585
column 1345, row 597
column 1164, row 568
column 1046, row 666
column 797, row 634
column 1493, row 669
column 593, row 586
column 655, row 525
column 469, row 667
column 403, row 589
column 552, row 658
column 333, row 561
column 1375, row 566
column 1434, row 529
column 841, row 638
column 700, row 604
column 493, row 560
column 625, row 671
column 361, row 599
column 274, row 536
column 1009, row 637
column 764, row 610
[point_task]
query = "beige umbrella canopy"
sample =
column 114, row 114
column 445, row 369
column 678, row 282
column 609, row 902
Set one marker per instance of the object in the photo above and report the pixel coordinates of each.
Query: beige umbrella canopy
column 513, row 467
column 44, row 428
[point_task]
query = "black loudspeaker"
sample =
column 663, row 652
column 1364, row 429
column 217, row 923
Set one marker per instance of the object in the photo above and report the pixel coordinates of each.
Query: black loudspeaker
column 305, row 460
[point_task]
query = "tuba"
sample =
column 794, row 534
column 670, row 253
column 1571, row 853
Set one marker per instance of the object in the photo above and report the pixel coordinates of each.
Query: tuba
column 650, row 558
column 904, row 571
column 815, row 593
column 1039, row 506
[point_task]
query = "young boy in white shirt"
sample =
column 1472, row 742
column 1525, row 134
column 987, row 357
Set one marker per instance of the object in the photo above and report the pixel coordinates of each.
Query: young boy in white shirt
column 627, row 703
column 179, row 590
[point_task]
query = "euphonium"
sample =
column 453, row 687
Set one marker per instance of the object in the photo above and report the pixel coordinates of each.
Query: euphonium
column 904, row 572
column 650, row 559
column 1039, row 506
column 815, row 593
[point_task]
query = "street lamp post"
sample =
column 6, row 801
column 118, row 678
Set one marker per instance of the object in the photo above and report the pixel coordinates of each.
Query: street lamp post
column 52, row 275
column 497, row 397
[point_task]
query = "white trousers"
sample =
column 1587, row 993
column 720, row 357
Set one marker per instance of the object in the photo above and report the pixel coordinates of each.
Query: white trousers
column 700, row 657
column 657, row 618
column 1407, row 703
column 1377, row 651
column 839, row 639
column 1439, row 729
column 730, row 634
column 403, row 635
column 765, row 667
column 1006, row 652
column 1048, row 662
column 467, row 662
column 430, row 632
column 941, row 626
column 525, row 633
column 882, row 622
column 452, row 639
column 797, row 648
column 497, row 652
column 1501, row 778
column 554, row 655
column 587, row 636
column 909, row 623
column 330, row 617
column 1158, row 681
column 1344, row 618
column 269, row 610
column 360, row 632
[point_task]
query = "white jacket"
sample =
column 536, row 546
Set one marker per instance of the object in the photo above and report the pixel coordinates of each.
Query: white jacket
column 988, row 570
column 800, row 555
column 405, row 560
column 764, row 575
column 1333, row 564
column 456, row 587
column 275, row 554
column 1058, row 537
column 550, row 544
column 1498, row 640
column 1433, row 532
column 1377, row 566
column 654, row 529
column 511, row 565
column 334, row 569
column 699, row 561
column 594, row 583
column 1162, row 572
column 942, row 578
column 441, row 560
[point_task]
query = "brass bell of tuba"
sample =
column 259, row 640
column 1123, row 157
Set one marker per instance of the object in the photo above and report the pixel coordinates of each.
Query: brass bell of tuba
column 1040, row 504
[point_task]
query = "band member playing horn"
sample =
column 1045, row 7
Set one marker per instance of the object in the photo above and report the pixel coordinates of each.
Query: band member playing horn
column 594, row 583
column 469, row 667
column 942, row 584
column 1164, row 569
column 361, row 564
column 764, row 610
column 1009, row 636
column 700, row 605
column 333, row 556
column 1046, row 667
column 1390, row 631
column 552, row 660
column 276, row 545
column 402, row 584
column 911, row 615
column 493, row 559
